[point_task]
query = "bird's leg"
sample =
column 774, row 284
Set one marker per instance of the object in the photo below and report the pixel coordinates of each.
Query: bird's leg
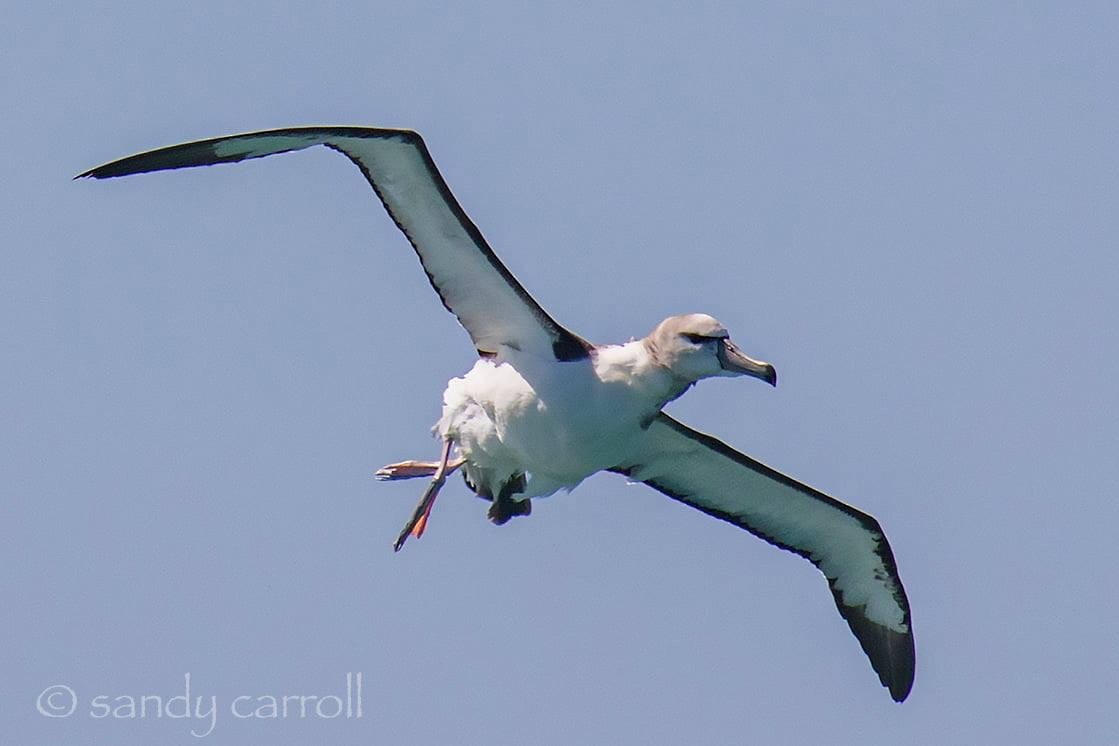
column 418, row 522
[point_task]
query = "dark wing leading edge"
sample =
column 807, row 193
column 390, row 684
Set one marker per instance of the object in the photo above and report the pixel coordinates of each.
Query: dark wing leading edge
column 471, row 281
column 846, row 545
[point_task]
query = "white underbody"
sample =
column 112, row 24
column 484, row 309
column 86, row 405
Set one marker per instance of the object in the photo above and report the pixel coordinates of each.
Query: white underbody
column 555, row 423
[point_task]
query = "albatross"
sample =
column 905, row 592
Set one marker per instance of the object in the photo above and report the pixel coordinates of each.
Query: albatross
column 542, row 409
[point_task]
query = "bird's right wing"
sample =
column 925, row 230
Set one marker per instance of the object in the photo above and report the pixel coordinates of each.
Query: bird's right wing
column 847, row 546
column 473, row 284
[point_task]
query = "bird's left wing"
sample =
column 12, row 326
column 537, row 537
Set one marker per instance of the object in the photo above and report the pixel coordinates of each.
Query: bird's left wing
column 472, row 282
column 847, row 546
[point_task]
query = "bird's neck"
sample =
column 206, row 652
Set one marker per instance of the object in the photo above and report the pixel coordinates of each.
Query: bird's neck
column 634, row 366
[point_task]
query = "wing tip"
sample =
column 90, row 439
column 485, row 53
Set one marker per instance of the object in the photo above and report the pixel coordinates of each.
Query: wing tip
column 205, row 152
column 892, row 654
column 100, row 172
column 185, row 155
column 104, row 171
column 900, row 681
column 898, row 671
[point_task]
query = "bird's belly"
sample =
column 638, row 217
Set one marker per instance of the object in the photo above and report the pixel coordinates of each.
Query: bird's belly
column 503, row 427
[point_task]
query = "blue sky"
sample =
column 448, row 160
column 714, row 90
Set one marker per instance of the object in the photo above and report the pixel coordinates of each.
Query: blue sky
column 910, row 213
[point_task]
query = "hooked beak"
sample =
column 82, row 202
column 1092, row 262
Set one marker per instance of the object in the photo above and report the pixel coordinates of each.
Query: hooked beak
column 735, row 362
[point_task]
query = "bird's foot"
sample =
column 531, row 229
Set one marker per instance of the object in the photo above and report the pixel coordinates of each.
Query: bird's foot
column 406, row 470
column 504, row 508
column 412, row 469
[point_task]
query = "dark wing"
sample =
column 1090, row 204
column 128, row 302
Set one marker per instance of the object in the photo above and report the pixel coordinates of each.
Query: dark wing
column 471, row 281
column 846, row 545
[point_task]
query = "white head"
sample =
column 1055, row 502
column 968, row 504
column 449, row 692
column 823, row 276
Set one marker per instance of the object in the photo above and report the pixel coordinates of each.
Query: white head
column 695, row 346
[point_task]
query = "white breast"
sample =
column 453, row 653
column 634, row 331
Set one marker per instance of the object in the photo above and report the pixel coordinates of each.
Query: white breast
column 557, row 423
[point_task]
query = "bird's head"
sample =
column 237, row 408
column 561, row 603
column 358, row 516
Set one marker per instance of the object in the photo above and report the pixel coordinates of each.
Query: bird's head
column 695, row 346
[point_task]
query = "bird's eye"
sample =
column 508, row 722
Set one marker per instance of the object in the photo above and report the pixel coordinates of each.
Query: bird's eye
column 697, row 338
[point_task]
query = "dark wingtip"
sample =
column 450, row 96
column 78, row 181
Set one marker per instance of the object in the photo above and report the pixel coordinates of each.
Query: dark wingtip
column 106, row 171
column 892, row 654
column 186, row 155
column 899, row 679
column 132, row 165
column 901, row 686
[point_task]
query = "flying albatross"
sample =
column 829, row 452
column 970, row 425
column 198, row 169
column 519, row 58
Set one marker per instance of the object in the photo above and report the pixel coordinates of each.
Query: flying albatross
column 543, row 409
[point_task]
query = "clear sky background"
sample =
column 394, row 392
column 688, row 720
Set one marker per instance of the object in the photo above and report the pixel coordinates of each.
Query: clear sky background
column 911, row 213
